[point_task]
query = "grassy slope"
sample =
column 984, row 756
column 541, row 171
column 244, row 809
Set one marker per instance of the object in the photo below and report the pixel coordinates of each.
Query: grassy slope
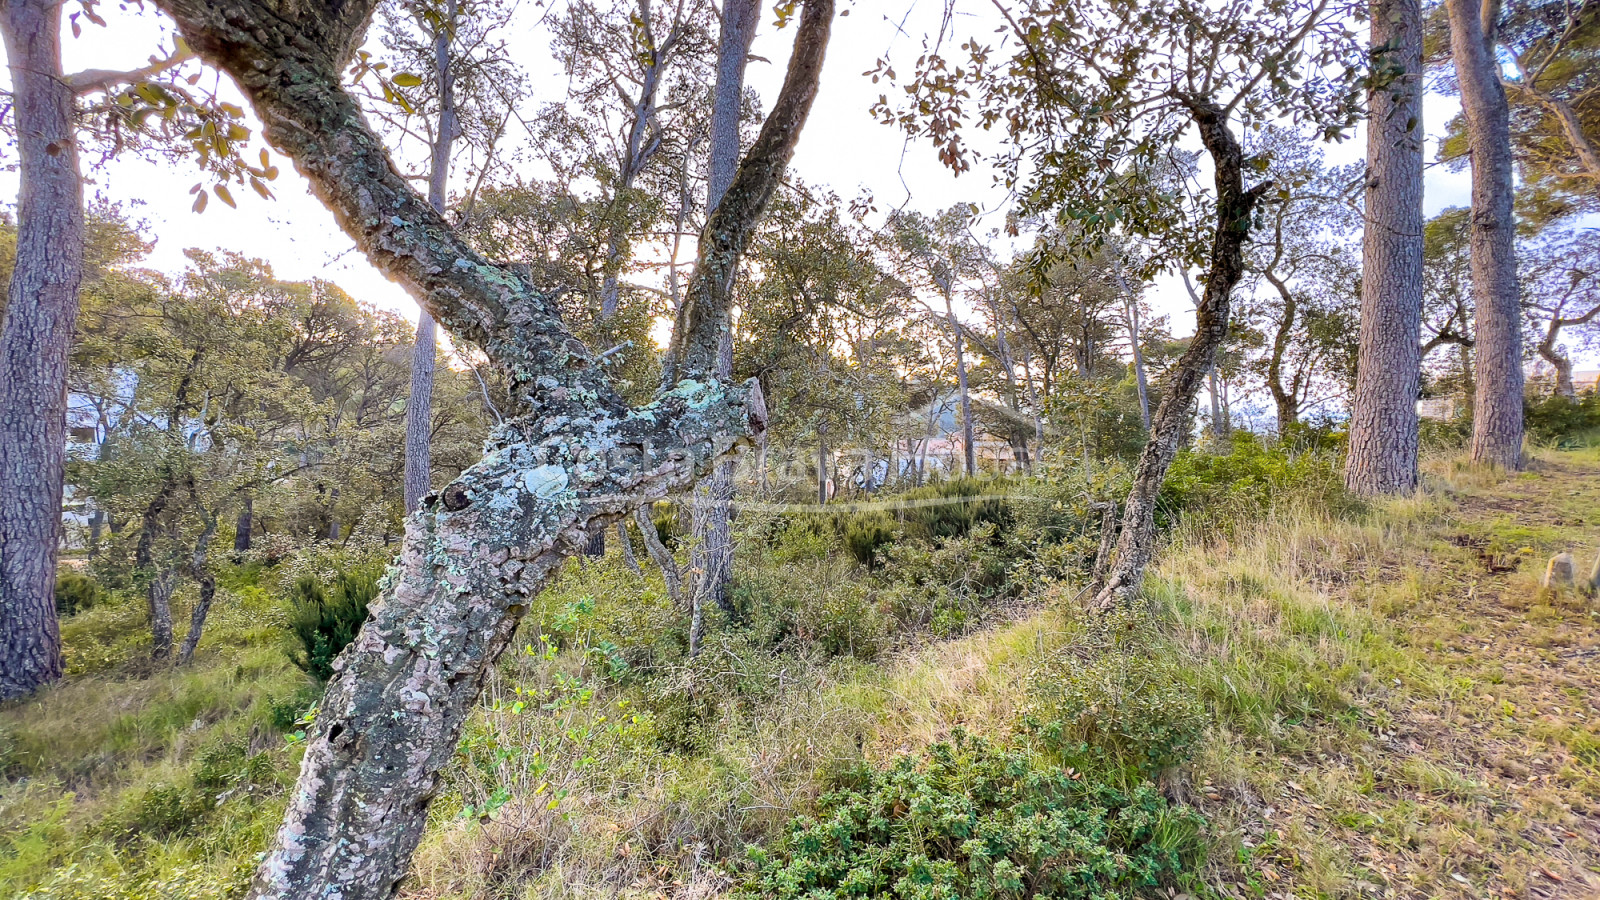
column 1405, row 712
column 1396, row 710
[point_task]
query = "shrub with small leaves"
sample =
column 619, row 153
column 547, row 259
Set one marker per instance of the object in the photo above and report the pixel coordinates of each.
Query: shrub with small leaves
column 322, row 623
column 971, row 818
column 1115, row 696
column 75, row 593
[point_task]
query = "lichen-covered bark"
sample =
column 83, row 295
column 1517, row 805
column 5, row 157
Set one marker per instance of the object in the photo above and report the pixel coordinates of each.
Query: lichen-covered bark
column 573, row 459
column 1137, row 538
column 470, row 562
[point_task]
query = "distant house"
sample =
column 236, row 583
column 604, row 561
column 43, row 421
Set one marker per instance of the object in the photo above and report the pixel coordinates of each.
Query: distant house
column 1443, row 408
column 931, row 433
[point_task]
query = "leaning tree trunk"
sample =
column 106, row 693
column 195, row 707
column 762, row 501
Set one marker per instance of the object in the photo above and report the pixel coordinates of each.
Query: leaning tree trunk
column 419, row 403
column 1497, row 405
column 574, row 458
column 711, row 556
column 1383, row 418
column 35, row 337
column 1136, row 541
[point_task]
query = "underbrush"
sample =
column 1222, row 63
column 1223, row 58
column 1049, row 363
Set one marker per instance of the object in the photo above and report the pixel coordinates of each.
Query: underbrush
column 902, row 692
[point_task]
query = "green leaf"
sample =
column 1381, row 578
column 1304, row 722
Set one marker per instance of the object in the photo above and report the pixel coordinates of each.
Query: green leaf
column 406, row 79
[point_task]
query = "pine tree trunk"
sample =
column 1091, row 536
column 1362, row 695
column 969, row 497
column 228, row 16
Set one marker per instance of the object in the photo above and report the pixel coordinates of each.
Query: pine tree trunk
column 1497, row 406
column 1234, row 207
column 1383, row 420
column 35, row 338
column 419, row 404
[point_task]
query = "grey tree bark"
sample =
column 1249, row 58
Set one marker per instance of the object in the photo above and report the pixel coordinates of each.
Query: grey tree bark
column 1219, row 421
column 711, row 557
column 419, row 403
column 967, row 431
column 573, row 459
column 35, row 337
column 1234, row 206
column 205, row 579
column 1130, row 308
column 1497, row 403
column 1383, row 419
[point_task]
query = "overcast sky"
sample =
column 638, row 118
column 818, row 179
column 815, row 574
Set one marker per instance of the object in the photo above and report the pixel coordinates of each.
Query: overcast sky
column 842, row 148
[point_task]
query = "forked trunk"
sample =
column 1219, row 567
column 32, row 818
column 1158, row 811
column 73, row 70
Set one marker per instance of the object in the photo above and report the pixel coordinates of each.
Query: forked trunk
column 711, row 556
column 419, row 403
column 572, row 460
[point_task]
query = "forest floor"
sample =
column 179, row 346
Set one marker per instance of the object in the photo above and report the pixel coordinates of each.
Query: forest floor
column 1393, row 708
column 1467, row 763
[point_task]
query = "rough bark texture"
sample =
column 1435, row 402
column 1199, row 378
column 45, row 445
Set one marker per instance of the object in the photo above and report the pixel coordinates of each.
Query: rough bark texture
column 419, row 403
column 158, row 592
column 572, row 459
column 41, row 309
column 626, row 546
column 711, row 557
column 1497, row 404
column 205, row 579
column 1137, row 538
column 1383, row 419
column 419, row 415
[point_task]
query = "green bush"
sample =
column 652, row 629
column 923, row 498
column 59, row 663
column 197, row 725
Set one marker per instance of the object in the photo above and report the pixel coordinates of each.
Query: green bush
column 1117, row 698
column 865, row 534
column 948, row 509
column 971, row 818
column 1563, row 422
column 322, row 623
column 944, row 587
column 75, row 593
column 1227, row 490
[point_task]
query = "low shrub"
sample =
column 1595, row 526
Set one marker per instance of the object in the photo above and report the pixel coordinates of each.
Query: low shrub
column 947, row 509
column 76, row 593
column 972, row 818
column 323, row 622
column 1222, row 491
column 1114, row 697
column 1563, row 422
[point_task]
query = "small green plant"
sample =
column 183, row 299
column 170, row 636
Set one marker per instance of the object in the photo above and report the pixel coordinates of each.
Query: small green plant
column 322, row 623
column 948, row 509
column 1563, row 422
column 1117, row 697
column 972, row 818
column 75, row 593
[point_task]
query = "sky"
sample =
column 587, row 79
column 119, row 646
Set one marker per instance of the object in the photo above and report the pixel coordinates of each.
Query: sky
column 842, row 148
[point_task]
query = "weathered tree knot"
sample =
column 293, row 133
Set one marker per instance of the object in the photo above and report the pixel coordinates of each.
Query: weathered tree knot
column 455, row 498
